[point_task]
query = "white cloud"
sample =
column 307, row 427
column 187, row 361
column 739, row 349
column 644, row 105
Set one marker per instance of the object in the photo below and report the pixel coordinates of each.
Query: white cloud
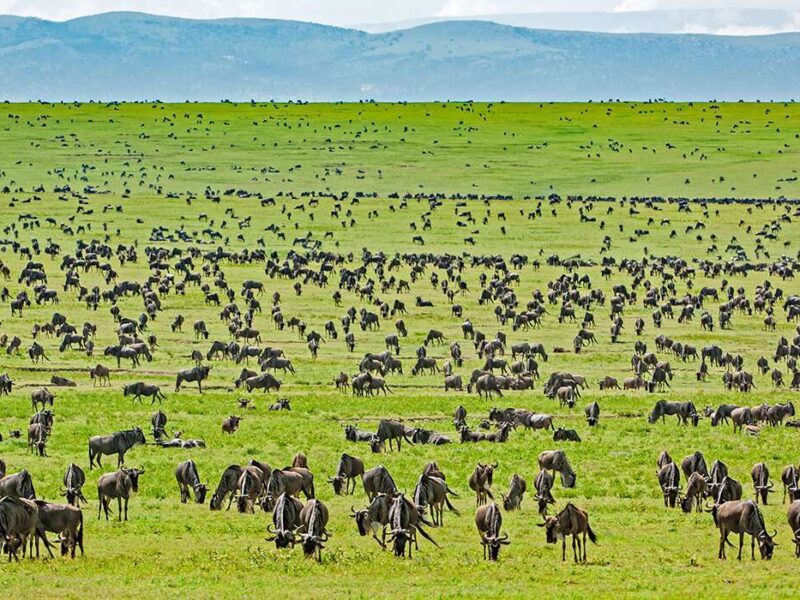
column 466, row 8
column 636, row 5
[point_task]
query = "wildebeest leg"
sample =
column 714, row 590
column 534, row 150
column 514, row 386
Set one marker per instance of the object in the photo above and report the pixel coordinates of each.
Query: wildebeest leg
column 120, row 459
column 752, row 547
column 584, row 546
column 563, row 548
column 574, row 551
column 199, row 386
column 741, row 543
column 119, row 509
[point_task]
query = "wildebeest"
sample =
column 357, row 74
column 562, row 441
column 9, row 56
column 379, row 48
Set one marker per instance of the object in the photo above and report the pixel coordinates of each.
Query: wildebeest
column 516, row 491
column 570, row 521
column 481, row 482
column 312, row 530
column 793, row 517
column 348, row 469
column 566, row 435
column 16, row 485
column 231, row 424
column 761, row 483
column 592, row 412
column 392, row 431
column 789, row 478
column 695, row 490
column 431, row 492
column 543, row 484
column 227, row 485
column 488, row 520
column 74, row 480
column 694, row 463
column 264, row 381
column 187, row 476
column 669, row 478
column 426, row 436
column 285, row 519
column 198, row 374
column 405, row 520
column 18, row 519
column 373, row 518
column 684, row 411
column 41, row 396
column 120, row 485
column 249, row 488
column 777, row 413
column 378, row 480
column 742, row 517
column 556, row 460
column 140, row 388
column 101, row 374
column 116, row 443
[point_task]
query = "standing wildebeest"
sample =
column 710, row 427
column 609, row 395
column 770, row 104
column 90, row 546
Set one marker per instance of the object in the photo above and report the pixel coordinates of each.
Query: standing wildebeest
column 349, row 468
column 18, row 519
column 570, row 521
column 789, row 478
column 16, row 485
column 695, row 490
column 249, row 488
column 312, row 530
column 742, row 516
column 742, row 416
column 684, row 411
column 373, row 518
column 74, row 479
column 556, row 460
column 159, row 422
column 516, row 491
column 761, row 483
column 117, row 443
column 405, row 520
column 65, row 520
column 265, row 382
column 694, row 463
column 197, row 374
column 669, row 478
column 793, row 517
column 42, row 396
column 378, row 481
column 140, row 388
column 101, row 374
column 285, row 518
column 481, row 482
column 187, row 476
column 117, row 485
column 488, row 520
column 592, row 412
column 544, row 484
column 431, row 492
column 460, row 417
column 392, row 431
column 776, row 414
column 227, row 485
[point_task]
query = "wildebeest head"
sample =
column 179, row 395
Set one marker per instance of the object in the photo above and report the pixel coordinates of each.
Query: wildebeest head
column 375, row 444
column 766, row 544
column 493, row 544
column 551, row 529
column 312, row 543
column 337, row 483
column 133, row 474
column 200, row 491
column 282, row 539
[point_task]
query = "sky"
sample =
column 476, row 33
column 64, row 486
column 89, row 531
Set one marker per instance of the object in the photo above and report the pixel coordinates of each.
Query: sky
column 354, row 12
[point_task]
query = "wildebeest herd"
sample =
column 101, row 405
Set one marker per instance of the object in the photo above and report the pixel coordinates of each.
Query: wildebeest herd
column 214, row 333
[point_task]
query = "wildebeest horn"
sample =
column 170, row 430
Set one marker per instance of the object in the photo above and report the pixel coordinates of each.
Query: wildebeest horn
column 774, row 533
column 270, row 529
column 352, row 509
column 771, row 485
column 495, row 465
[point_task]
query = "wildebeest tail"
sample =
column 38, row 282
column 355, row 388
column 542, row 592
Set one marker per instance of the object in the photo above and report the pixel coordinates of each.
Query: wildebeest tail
column 592, row 535
column 425, row 533
column 449, row 491
column 450, row 506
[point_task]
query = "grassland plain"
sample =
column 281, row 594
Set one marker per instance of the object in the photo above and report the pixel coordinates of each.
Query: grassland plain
column 151, row 159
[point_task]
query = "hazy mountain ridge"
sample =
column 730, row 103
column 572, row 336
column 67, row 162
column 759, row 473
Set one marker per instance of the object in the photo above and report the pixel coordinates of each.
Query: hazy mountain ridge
column 136, row 56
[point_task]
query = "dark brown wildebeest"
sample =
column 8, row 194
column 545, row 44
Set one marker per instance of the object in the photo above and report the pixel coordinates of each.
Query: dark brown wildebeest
column 42, row 396
column 544, row 484
column 460, row 417
column 793, row 517
column 231, row 424
column 16, row 485
column 187, row 476
column 405, row 520
column 481, row 482
column 789, row 478
column 684, row 411
column 488, row 520
column 348, row 469
column 742, row 517
column 695, row 491
column 265, row 382
column 285, row 519
column 101, row 374
column 592, row 412
column 64, row 520
column 729, row 489
column 373, row 518
column 663, row 459
column 556, row 460
column 119, row 485
column 140, row 388
column 516, row 492
column 74, row 480
column 609, row 383
column 669, row 478
column 566, row 435
column 249, row 488
column 227, row 485
column 761, row 483
column 159, row 422
column 18, row 519
column 742, row 416
column 116, row 443
column 393, row 431
column 570, row 521
column 776, row 414
column 694, row 463
column 312, row 530
column 37, row 438
column 198, row 374
column 431, row 492
column 290, row 481
column 378, row 480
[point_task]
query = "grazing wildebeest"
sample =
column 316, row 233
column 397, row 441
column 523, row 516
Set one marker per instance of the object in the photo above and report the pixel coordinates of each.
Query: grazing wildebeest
column 64, row 520
column 373, row 518
column 227, row 485
column 16, row 485
column 544, row 496
column 285, row 519
column 592, row 412
column 431, row 492
column 684, row 411
column 761, row 483
column 742, row 416
column 18, row 519
column 570, row 521
column 516, row 491
column 460, row 417
column 140, row 388
column 119, row 485
column 669, row 478
column 249, row 488
column 742, row 517
column 101, row 374
column 488, row 520
column 556, row 460
column 405, row 520
column 265, row 382
column 539, row 421
column 481, row 482
column 392, row 431
column 197, row 374
column 378, row 481
column 776, row 414
column 42, row 396
column 793, row 517
column 695, row 491
column 789, row 478
column 187, row 476
column 348, row 469
column 116, row 443
column 312, row 530
column 74, row 480
column 694, row 463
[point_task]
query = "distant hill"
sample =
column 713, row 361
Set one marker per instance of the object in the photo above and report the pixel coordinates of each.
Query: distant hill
column 137, row 56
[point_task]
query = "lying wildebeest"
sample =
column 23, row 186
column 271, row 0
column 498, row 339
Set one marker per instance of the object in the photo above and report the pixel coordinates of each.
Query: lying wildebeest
column 74, row 480
column 140, row 388
column 742, row 517
column 405, row 520
column 227, row 485
column 348, row 469
column 516, row 491
column 116, row 443
column 187, row 476
column 425, row 436
column 120, row 485
column 378, row 480
column 312, row 530
column 198, row 374
column 684, row 411
column 481, row 482
column 285, row 519
column 431, row 492
column 556, row 460
column 64, row 520
column 281, row 404
column 231, row 424
column 570, row 521
column 488, row 520
column 566, row 435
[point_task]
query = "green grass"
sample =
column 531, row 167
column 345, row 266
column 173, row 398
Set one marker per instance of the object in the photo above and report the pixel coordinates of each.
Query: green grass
column 644, row 550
